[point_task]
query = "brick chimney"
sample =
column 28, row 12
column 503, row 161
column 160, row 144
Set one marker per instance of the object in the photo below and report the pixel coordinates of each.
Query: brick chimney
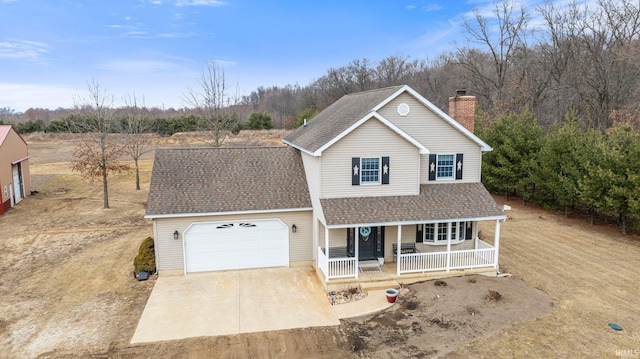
column 462, row 108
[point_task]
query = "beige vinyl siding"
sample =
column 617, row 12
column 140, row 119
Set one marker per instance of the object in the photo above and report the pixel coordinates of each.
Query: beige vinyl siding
column 170, row 251
column 435, row 134
column 371, row 139
column 312, row 169
column 337, row 237
column 320, row 234
column 409, row 236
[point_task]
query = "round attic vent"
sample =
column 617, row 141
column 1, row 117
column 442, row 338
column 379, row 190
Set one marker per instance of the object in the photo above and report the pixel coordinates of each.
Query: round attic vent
column 403, row 109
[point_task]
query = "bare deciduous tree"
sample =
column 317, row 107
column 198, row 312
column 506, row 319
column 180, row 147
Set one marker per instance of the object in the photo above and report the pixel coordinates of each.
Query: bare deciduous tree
column 136, row 140
column 99, row 151
column 490, row 70
column 212, row 101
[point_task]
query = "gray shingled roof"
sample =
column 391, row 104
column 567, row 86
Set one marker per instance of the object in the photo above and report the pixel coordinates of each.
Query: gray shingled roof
column 435, row 202
column 336, row 118
column 209, row 180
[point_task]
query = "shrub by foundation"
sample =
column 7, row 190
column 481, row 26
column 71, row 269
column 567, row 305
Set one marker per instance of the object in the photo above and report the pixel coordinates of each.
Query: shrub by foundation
column 146, row 259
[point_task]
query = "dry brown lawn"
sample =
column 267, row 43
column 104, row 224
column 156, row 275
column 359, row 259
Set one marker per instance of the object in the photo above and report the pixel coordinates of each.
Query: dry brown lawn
column 66, row 285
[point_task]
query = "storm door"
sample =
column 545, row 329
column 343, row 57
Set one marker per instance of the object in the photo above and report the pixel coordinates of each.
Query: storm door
column 370, row 244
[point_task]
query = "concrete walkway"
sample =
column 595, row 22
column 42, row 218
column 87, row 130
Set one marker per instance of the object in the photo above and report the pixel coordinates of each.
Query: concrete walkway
column 375, row 301
column 232, row 302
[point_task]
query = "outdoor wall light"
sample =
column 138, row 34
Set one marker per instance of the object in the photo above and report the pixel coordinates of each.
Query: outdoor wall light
column 176, row 235
column 294, row 228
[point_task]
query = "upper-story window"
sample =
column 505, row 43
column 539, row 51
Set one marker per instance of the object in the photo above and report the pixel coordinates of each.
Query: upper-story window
column 445, row 167
column 369, row 170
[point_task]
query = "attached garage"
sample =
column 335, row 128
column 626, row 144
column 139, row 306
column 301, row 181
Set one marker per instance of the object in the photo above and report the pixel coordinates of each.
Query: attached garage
column 212, row 246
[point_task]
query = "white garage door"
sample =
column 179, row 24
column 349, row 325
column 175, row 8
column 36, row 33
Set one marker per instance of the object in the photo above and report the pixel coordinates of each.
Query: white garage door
column 236, row 245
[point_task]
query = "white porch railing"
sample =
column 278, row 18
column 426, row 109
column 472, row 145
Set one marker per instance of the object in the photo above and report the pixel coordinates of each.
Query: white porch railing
column 337, row 267
column 437, row 261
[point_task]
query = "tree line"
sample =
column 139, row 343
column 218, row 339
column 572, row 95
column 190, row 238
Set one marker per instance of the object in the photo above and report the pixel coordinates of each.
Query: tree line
column 558, row 58
column 568, row 167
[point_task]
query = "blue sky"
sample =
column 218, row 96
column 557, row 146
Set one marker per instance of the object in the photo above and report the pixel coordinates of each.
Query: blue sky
column 49, row 49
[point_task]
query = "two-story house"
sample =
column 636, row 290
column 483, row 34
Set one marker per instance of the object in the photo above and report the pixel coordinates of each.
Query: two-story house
column 375, row 172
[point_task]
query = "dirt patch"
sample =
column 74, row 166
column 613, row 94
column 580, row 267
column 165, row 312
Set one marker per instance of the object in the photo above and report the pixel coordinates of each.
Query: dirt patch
column 66, row 288
column 436, row 320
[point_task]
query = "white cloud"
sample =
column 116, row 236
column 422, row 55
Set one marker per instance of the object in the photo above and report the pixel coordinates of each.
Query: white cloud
column 139, row 66
column 435, row 37
column 147, row 35
column 410, row 7
column 136, row 34
column 22, row 96
column 431, row 7
column 22, row 49
column 199, row 3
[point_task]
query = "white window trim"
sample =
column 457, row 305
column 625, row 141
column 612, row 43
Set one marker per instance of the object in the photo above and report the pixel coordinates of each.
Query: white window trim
column 371, row 183
column 453, row 167
column 453, row 231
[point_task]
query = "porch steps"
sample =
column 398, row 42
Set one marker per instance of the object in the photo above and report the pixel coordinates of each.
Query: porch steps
column 379, row 285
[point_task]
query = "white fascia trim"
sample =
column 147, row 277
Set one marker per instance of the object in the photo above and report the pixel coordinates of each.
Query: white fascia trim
column 351, row 225
column 296, row 147
column 484, row 146
column 182, row 215
column 394, row 128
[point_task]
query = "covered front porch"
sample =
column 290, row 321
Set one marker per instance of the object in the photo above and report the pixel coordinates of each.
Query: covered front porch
column 460, row 249
column 433, row 234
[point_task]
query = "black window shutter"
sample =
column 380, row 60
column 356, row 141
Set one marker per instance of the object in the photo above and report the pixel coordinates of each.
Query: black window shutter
column 419, row 237
column 355, row 171
column 385, row 170
column 459, row 166
column 433, row 166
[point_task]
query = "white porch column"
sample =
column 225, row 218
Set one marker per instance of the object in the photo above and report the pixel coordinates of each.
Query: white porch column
column 357, row 249
column 496, row 243
column 399, row 251
column 475, row 235
column 326, row 241
column 448, row 245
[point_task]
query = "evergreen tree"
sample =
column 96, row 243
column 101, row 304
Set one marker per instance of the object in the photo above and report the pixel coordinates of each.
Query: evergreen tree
column 259, row 121
column 621, row 166
column 561, row 164
column 516, row 140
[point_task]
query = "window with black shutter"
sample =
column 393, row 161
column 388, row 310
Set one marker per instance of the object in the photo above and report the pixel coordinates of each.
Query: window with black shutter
column 445, row 166
column 369, row 170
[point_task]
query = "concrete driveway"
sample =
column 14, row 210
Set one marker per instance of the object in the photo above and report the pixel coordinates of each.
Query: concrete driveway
column 232, row 302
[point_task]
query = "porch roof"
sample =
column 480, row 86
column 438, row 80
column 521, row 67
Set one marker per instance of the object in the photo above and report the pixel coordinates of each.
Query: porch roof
column 436, row 202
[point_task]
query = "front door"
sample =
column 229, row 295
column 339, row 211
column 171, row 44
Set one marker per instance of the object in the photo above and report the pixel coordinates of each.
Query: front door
column 370, row 242
column 367, row 245
column 17, row 182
